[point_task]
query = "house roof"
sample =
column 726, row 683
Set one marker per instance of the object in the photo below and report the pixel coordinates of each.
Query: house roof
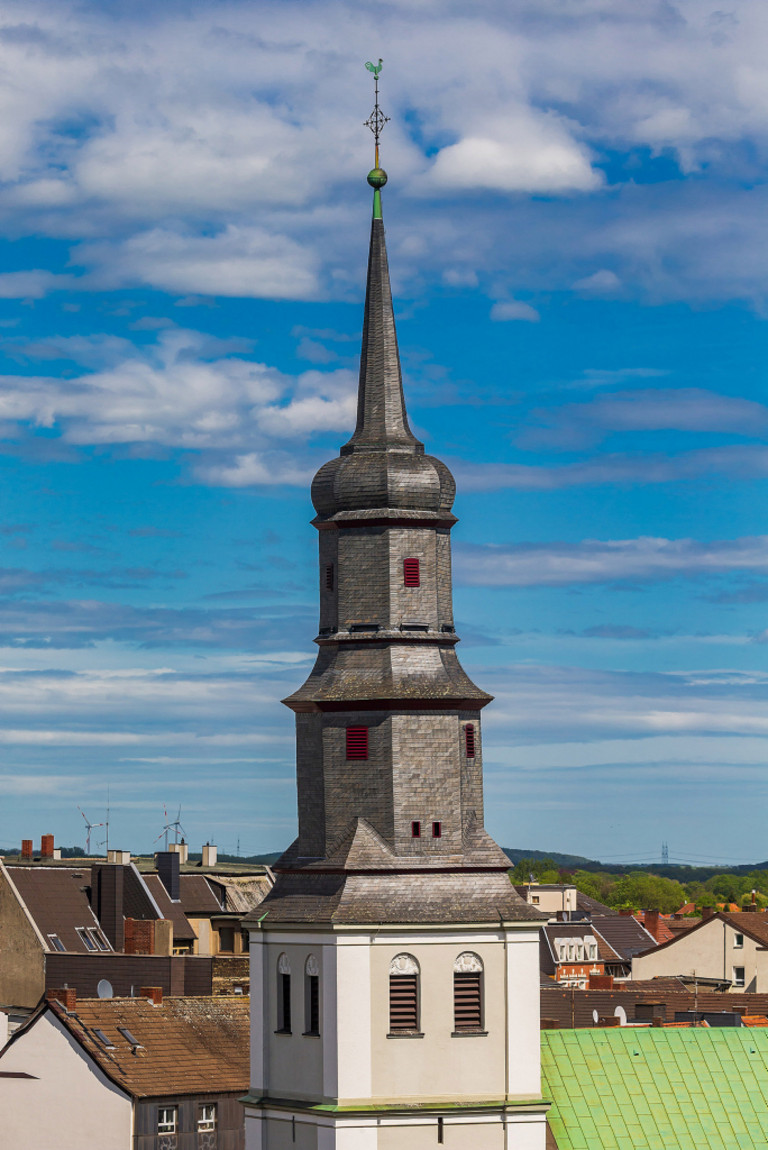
column 586, row 903
column 187, row 1045
column 663, row 933
column 661, row 1088
column 182, row 931
column 197, row 895
column 624, row 933
column 563, row 930
column 57, row 900
column 753, row 924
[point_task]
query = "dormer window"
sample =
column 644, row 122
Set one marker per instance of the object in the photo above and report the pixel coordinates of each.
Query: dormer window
column 357, row 742
column 411, row 573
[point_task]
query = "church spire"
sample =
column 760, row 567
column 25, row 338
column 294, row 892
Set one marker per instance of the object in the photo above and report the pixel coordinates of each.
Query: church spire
column 382, row 422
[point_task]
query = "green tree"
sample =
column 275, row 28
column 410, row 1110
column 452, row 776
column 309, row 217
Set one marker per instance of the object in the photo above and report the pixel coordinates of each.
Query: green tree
column 523, row 870
column 645, row 891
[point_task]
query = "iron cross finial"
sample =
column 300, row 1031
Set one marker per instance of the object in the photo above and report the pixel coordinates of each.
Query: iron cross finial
column 377, row 119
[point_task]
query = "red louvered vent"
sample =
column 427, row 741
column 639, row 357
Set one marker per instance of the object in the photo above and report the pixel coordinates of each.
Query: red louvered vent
column 467, row 1002
column 357, row 742
column 411, row 574
column 437, row 830
column 416, row 830
column 329, row 577
column 469, row 739
column 403, row 1002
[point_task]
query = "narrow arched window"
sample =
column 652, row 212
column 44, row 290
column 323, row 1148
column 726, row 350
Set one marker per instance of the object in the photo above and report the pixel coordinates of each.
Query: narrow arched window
column 468, row 992
column 404, row 995
column 283, row 995
column 311, row 996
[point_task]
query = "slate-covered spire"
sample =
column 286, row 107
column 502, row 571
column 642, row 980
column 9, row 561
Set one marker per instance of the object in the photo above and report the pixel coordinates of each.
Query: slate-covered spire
column 382, row 421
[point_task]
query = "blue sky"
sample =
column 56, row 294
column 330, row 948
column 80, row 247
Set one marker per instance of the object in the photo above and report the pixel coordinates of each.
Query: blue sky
column 575, row 219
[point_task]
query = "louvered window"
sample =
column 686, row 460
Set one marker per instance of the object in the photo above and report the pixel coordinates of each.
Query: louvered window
column 403, row 1002
column 437, row 830
column 411, row 574
column 467, row 1006
column 469, row 740
column 415, row 830
column 329, row 577
column 357, row 742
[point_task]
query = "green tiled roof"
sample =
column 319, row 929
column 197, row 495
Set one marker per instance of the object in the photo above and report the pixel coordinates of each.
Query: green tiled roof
column 657, row 1089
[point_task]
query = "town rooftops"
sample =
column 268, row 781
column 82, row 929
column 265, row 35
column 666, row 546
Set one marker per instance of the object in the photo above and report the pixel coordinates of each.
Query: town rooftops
column 57, row 902
column 624, row 933
column 553, row 933
column 182, row 1046
column 660, row 1088
column 753, row 925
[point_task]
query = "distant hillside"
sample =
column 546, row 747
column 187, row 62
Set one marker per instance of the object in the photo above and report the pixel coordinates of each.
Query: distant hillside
column 671, row 870
column 571, row 862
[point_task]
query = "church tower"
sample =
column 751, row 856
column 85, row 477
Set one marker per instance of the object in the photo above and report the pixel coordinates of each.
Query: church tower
column 394, row 969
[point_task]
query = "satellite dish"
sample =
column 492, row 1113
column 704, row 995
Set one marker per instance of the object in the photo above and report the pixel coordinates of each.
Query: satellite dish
column 621, row 1014
column 104, row 989
column 595, row 1017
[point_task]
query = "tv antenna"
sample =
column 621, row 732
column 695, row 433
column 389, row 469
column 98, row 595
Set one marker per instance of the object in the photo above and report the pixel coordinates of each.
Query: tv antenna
column 89, row 826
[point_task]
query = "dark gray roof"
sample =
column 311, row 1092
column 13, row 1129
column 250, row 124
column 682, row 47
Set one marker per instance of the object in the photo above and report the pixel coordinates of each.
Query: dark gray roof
column 57, row 900
column 625, row 934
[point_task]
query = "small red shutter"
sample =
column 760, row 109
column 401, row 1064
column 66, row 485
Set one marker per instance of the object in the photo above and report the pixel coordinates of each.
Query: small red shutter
column 467, row 1006
column 357, row 742
column 469, row 738
column 403, row 1002
column 411, row 574
column 329, row 577
column 416, row 830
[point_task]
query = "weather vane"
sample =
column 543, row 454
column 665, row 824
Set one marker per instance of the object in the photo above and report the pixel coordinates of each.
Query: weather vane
column 377, row 119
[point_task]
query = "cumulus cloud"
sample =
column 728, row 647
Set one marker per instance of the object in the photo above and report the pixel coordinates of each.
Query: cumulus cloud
column 604, row 561
column 514, row 309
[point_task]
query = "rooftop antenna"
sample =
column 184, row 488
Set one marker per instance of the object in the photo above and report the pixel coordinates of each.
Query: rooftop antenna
column 88, row 828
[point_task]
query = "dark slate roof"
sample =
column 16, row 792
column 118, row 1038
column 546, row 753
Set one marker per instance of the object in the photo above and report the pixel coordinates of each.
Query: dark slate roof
column 456, row 896
column 189, row 1045
column 591, row 905
column 199, row 895
column 57, row 900
column 624, row 933
column 554, row 931
column 182, row 931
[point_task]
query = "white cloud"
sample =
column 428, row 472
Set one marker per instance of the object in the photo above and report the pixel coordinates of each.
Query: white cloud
column 603, row 282
column 602, row 561
column 514, row 309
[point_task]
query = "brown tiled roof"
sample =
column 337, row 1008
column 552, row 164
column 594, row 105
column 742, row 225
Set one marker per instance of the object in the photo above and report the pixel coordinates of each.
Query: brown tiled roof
column 663, row 933
column 182, row 931
column 57, row 900
column 751, row 923
column 188, row 1045
column 197, row 897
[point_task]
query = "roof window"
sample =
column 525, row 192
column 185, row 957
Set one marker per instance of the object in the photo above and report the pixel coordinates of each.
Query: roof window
column 129, row 1037
column 105, row 1042
column 56, row 942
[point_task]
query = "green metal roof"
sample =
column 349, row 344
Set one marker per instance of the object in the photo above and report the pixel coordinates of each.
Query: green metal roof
column 657, row 1089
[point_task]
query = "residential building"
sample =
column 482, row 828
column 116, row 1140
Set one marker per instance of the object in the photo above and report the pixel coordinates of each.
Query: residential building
column 394, row 968
column 550, row 898
column 149, row 1073
column 572, row 952
column 732, row 948
column 680, row 1089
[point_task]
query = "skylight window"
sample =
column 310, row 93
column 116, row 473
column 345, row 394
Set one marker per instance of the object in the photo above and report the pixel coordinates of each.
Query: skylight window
column 88, row 942
column 106, row 1042
column 98, row 938
column 56, row 942
column 128, row 1036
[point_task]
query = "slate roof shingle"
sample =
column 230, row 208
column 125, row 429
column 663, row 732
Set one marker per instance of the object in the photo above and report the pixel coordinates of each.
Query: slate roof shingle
column 57, row 900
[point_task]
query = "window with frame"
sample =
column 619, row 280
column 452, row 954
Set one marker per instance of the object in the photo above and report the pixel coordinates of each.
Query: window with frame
column 437, row 830
column 357, row 742
column 411, row 573
column 415, row 829
column 98, row 938
column 738, row 941
column 469, row 740
column 85, row 938
column 467, row 993
column 56, row 942
column 311, row 996
column 283, row 995
column 738, row 976
column 207, row 1117
column 167, row 1119
column 404, row 995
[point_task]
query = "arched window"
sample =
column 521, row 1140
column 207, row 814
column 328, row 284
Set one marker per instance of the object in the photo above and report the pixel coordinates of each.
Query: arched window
column 468, row 992
column 403, row 995
column 283, row 995
column 311, row 996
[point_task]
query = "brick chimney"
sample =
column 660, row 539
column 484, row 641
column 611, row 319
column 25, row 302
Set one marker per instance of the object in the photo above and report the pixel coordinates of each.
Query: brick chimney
column 651, row 922
column 27, row 850
column 625, row 910
column 707, row 911
column 66, row 995
column 46, row 847
column 153, row 993
column 139, row 936
column 600, row 982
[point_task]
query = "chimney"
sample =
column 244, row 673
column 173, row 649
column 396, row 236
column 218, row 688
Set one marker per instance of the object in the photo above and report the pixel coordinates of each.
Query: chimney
column 56, row 854
column 707, row 911
column 66, row 995
column 26, row 849
column 139, row 936
column 210, row 854
column 181, row 849
column 651, row 922
column 122, row 858
column 600, row 982
column 107, row 886
column 153, row 993
column 46, row 847
column 167, row 863
column 625, row 910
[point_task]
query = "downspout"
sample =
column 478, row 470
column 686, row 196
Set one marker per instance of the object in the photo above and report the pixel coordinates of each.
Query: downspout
column 506, row 1029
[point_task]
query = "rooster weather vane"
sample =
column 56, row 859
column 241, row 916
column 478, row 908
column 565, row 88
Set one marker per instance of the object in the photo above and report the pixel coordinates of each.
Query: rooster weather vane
column 377, row 119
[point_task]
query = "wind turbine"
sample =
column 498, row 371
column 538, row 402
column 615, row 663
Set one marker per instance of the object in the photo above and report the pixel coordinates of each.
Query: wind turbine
column 88, row 828
column 174, row 825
